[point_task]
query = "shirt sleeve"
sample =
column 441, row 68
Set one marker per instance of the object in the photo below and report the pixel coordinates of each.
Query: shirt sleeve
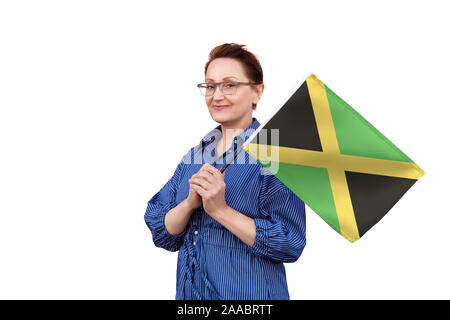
column 157, row 208
column 281, row 231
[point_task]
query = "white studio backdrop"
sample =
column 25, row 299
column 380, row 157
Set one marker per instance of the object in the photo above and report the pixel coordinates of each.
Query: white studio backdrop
column 98, row 103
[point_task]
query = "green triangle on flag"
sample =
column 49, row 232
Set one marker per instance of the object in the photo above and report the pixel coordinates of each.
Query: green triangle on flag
column 364, row 139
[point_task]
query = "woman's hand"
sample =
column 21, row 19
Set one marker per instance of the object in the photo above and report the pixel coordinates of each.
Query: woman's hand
column 193, row 199
column 209, row 183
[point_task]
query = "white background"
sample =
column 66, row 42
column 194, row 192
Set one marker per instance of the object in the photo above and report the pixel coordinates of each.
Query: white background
column 98, row 103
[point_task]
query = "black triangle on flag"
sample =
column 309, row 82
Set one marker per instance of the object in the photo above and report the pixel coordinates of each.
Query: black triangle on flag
column 296, row 118
column 373, row 196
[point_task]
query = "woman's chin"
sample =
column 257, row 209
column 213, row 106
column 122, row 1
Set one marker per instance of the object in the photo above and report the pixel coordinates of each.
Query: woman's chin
column 220, row 116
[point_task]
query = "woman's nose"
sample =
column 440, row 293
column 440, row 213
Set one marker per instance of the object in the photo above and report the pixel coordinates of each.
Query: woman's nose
column 218, row 93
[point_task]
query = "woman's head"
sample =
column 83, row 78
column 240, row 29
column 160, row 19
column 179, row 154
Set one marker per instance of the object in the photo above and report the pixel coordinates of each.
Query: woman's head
column 232, row 62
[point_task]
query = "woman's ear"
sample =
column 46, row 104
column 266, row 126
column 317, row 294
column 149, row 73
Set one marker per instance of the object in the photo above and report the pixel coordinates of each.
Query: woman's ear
column 259, row 91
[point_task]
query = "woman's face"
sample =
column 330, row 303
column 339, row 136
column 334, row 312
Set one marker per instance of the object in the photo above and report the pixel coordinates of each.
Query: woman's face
column 238, row 105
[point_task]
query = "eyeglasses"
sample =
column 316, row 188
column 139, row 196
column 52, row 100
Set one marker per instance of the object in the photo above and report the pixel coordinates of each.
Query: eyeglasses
column 226, row 87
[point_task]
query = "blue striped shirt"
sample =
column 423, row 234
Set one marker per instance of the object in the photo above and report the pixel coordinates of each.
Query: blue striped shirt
column 212, row 262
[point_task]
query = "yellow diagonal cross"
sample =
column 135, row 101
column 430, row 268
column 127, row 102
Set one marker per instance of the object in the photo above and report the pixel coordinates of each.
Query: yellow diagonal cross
column 335, row 162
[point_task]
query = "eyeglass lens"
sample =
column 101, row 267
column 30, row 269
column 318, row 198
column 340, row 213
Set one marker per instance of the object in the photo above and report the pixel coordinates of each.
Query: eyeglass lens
column 208, row 89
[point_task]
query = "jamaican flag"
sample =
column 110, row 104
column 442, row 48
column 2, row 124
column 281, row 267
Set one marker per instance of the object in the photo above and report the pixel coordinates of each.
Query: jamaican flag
column 333, row 159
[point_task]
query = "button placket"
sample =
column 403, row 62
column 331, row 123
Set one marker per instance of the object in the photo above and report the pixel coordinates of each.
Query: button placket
column 195, row 241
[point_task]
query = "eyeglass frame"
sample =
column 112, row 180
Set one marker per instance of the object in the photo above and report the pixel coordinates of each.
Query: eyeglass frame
column 238, row 83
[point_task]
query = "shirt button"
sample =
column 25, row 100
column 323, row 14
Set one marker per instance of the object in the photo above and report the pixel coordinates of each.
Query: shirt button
column 194, row 243
column 195, row 232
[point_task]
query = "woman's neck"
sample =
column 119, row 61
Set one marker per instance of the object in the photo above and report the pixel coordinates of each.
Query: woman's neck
column 229, row 131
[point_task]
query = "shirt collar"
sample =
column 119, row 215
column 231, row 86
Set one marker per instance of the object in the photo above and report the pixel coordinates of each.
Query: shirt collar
column 217, row 133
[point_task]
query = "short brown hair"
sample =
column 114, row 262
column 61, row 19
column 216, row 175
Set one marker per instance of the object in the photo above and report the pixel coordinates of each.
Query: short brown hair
column 252, row 67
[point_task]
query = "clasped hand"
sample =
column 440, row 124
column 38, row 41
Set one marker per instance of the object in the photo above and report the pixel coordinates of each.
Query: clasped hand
column 209, row 183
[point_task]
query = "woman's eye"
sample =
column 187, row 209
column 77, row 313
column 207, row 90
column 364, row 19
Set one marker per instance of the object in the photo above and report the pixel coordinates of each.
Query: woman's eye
column 209, row 87
column 230, row 85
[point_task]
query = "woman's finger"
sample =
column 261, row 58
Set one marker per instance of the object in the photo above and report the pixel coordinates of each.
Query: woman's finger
column 214, row 172
column 206, row 175
column 201, row 182
column 198, row 189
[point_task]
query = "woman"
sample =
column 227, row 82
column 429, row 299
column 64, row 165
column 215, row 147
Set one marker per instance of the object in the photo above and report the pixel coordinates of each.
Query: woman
column 233, row 230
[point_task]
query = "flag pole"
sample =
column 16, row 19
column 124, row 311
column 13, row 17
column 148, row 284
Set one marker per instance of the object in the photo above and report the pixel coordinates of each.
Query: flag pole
column 229, row 162
column 244, row 145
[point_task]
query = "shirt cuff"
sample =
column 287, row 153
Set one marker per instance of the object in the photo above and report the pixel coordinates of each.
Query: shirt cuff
column 266, row 234
column 161, row 237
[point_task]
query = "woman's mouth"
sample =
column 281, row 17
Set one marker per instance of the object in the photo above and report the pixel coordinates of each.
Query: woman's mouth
column 219, row 107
